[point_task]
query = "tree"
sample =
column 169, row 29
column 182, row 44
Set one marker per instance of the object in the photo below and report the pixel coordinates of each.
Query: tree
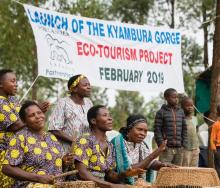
column 163, row 13
column 200, row 12
column 17, row 45
column 127, row 102
column 190, row 15
column 215, row 78
column 131, row 11
column 191, row 63
column 99, row 96
column 151, row 108
column 88, row 8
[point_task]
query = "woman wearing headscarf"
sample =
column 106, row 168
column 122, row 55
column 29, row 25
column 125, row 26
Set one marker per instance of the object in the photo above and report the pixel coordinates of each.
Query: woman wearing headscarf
column 132, row 152
column 69, row 118
column 94, row 155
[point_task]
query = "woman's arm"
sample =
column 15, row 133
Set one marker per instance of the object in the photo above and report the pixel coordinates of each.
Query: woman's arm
column 16, row 126
column 146, row 162
column 86, row 175
column 62, row 136
column 17, row 173
column 116, row 178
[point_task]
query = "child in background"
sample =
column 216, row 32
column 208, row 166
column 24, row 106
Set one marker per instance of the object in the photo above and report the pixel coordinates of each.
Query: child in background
column 191, row 152
column 9, row 118
column 170, row 125
column 215, row 141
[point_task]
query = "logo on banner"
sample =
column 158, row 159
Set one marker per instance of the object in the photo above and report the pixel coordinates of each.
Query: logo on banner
column 58, row 56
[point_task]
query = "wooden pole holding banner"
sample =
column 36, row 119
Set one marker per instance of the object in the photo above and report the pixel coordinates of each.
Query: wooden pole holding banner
column 34, row 69
column 28, row 89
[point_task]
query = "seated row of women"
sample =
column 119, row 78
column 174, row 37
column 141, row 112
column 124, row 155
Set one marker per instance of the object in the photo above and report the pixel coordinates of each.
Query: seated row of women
column 34, row 155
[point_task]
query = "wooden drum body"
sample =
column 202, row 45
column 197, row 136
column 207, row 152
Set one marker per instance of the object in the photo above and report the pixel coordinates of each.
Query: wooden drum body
column 187, row 176
column 75, row 184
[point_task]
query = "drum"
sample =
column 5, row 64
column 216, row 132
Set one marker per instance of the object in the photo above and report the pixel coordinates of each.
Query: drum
column 39, row 185
column 187, row 176
column 75, row 184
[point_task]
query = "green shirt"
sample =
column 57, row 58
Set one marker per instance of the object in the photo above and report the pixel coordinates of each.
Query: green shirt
column 192, row 137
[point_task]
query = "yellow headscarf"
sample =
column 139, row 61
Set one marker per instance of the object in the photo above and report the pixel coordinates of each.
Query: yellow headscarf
column 75, row 83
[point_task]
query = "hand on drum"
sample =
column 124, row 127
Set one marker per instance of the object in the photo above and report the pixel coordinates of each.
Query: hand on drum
column 170, row 165
column 134, row 172
column 46, row 179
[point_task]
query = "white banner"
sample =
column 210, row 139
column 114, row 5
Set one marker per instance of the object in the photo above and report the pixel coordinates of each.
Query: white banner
column 111, row 54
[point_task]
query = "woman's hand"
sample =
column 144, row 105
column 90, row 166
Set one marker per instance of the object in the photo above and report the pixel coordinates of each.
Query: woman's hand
column 44, row 106
column 68, row 159
column 169, row 165
column 163, row 146
column 134, row 172
column 46, row 179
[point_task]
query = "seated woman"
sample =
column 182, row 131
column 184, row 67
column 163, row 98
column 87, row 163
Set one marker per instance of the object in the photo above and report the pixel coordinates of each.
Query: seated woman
column 132, row 152
column 94, row 155
column 33, row 155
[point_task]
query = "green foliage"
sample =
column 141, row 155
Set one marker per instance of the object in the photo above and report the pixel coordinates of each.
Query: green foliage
column 90, row 8
column 17, row 47
column 188, row 16
column 99, row 96
column 192, row 13
column 127, row 102
column 191, row 62
column 160, row 13
column 131, row 11
column 188, row 13
column 18, row 50
column 151, row 108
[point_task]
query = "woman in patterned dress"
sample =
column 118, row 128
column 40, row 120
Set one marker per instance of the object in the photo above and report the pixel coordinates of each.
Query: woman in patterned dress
column 131, row 151
column 68, row 120
column 33, row 155
column 9, row 118
column 94, row 155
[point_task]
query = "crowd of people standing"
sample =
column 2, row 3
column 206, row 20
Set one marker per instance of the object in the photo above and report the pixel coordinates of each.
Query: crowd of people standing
column 76, row 138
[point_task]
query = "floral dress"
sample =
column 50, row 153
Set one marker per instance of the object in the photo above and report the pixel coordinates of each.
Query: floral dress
column 9, row 108
column 70, row 118
column 34, row 153
column 89, row 151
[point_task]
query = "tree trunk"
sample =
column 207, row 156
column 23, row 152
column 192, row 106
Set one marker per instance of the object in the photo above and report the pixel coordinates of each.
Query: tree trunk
column 205, row 34
column 172, row 2
column 215, row 78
